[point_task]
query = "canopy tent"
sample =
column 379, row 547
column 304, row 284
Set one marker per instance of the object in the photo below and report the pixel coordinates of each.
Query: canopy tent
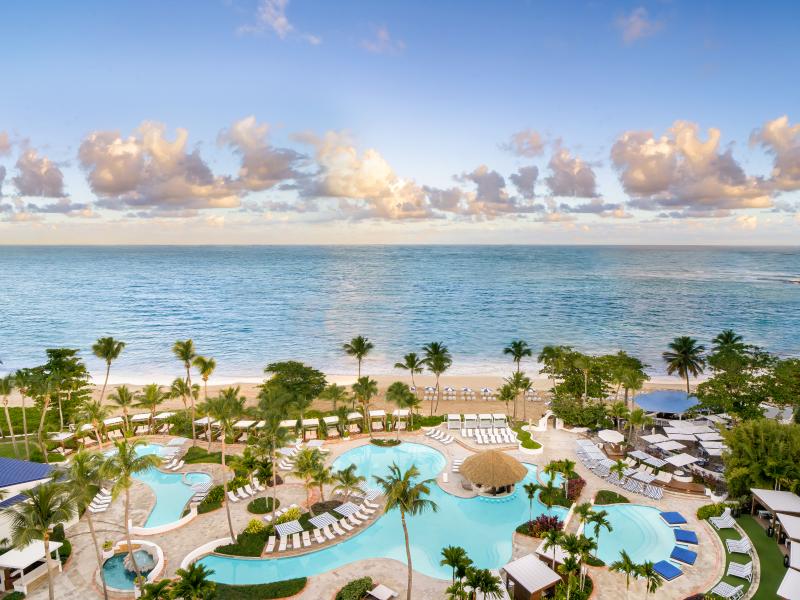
column 560, row 554
column 22, row 558
column 470, row 421
column 485, row 421
column 499, row 420
column 790, row 525
column 400, row 413
column 377, row 414
column 682, row 460
column 690, row 427
column 777, row 501
column 611, row 436
column 647, row 458
column 310, row 423
column 288, row 423
column 142, row 417
column 163, row 415
column 453, row 421
column 288, row 528
column 332, row 420
column 354, row 416
column 61, row 436
column 493, row 469
column 243, row 424
column 346, row 509
column 681, row 437
column 531, row 574
column 670, row 446
column 654, row 438
column 323, row 520
column 714, row 444
column 112, row 421
column 666, row 401
column 713, row 451
column 790, row 586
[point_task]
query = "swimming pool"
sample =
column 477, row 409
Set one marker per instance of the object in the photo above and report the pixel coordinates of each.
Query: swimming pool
column 636, row 529
column 172, row 490
column 117, row 576
column 483, row 526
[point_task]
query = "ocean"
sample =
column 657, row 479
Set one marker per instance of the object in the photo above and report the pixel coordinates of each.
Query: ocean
column 247, row 306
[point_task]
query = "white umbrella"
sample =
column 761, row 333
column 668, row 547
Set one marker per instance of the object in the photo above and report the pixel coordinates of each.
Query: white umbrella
column 611, row 436
column 486, row 390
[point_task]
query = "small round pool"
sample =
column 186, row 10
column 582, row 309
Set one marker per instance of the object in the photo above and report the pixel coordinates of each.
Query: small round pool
column 636, row 529
column 117, row 576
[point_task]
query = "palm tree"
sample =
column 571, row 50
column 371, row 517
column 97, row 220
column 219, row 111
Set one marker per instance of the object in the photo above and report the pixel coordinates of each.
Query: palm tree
column 685, row 357
column 93, row 412
column 125, row 399
column 347, row 481
column 482, row 580
column 23, row 380
column 321, row 477
column 45, row 506
column 652, row 578
column 405, row 494
column 120, row 467
column 85, row 478
column 728, row 341
column 548, row 493
column 599, row 520
column 518, row 349
column 520, row 383
column 358, row 347
column 618, row 412
column 107, row 349
column 584, row 511
column 365, row 389
column 454, row 557
column 158, row 590
column 632, row 381
column 438, row 360
column 399, row 394
column 638, row 419
column 585, row 548
column 506, row 394
column 271, row 438
column 6, row 387
column 206, row 368
column 583, row 363
column 530, row 490
column 568, row 568
column 336, row 394
column 619, row 467
column 226, row 410
column 413, row 363
column 552, row 538
column 45, row 389
column 184, row 352
column 193, row 583
column 306, row 465
column 627, row 566
column 151, row 397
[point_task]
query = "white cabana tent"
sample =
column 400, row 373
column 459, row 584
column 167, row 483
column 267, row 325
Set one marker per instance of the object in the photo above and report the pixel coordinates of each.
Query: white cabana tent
column 777, row 501
column 530, row 574
column 470, row 421
column 378, row 415
column 499, row 420
column 243, row 424
column 713, row 444
column 310, row 423
column 709, row 437
column 330, row 425
column 288, row 423
column 353, row 419
column 17, row 559
column 485, row 421
column 790, row 586
column 611, row 436
column 453, row 421
column 669, row 446
column 681, row 460
column 400, row 417
column 681, row 437
column 790, row 525
column 113, row 421
column 144, row 417
column 163, row 416
column 654, row 438
column 62, row 436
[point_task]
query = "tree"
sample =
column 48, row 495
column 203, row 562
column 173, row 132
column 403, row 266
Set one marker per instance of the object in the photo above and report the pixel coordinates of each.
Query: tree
column 7, row 385
column 307, row 463
column 206, row 368
column 44, row 386
column 158, row 590
column 184, row 352
column 684, row 357
column 151, row 398
column 320, row 477
column 626, row 566
column 583, row 512
column 405, row 494
column 358, row 348
column 347, row 481
column 272, row 436
column 728, row 341
column 120, row 467
column 619, row 468
column 599, row 520
column 364, row 390
column 569, row 568
column 399, row 394
column 548, row 493
column 438, row 360
column 520, row 383
column 413, row 363
column 638, row 419
column 84, row 476
column 44, row 507
column 455, row 557
column 94, row 413
column 518, row 349
column 482, row 580
column 530, row 490
column 193, row 583
column 125, row 399
column 618, row 412
column 336, row 394
column 108, row 350
column 69, row 380
column 299, row 382
column 652, row 578
column 24, row 381
column 226, row 410
column 583, row 363
column 506, row 394
column 552, row 538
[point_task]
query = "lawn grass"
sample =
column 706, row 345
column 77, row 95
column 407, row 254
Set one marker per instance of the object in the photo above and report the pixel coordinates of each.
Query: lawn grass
column 526, row 439
column 609, row 497
column 196, row 455
column 263, row 591
column 7, row 451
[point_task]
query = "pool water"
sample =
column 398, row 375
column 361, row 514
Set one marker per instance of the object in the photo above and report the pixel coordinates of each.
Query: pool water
column 172, row 490
column 482, row 526
column 636, row 529
column 117, row 576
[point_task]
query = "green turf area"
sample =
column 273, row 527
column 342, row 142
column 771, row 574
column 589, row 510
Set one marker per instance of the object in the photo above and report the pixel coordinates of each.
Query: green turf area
column 7, row 451
column 609, row 497
column 526, row 440
column 263, row 591
column 196, row 455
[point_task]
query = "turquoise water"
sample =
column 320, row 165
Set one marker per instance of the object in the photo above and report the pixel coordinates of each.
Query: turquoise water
column 484, row 527
column 247, row 306
column 117, row 576
column 171, row 492
column 636, row 529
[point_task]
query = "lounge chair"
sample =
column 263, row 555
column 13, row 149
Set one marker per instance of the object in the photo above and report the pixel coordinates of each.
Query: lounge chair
column 178, row 466
column 249, row 490
column 742, row 571
column 282, row 545
column 242, row 494
column 672, row 518
column 336, row 529
column 346, row 524
column 271, row 543
column 257, row 484
column 727, row 591
column 667, row 570
column 683, row 555
column 232, row 497
column 318, row 536
column 381, row 592
column 295, row 541
column 326, row 531
column 97, row 509
column 685, row 536
column 366, row 510
column 724, row 521
column 445, row 477
column 741, row 546
column 306, row 539
column 354, row 520
column 370, row 504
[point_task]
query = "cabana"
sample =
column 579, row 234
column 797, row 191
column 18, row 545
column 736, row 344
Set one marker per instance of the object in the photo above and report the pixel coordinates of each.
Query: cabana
column 654, row 438
column 353, row 418
column 470, row 421
column 790, row 586
column 161, row 419
column 528, row 578
column 310, row 425
column 453, row 421
column 669, row 446
column 400, row 418
column 113, row 424
column 377, row 415
column 681, row 460
column 331, row 425
column 241, row 428
column 709, row 437
column 288, row 424
column 207, row 423
column 499, row 420
column 789, row 527
column 86, row 430
column 775, row 501
column 18, row 560
column 485, row 421
column 60, row 437
column 140, row 420
column 611, row 436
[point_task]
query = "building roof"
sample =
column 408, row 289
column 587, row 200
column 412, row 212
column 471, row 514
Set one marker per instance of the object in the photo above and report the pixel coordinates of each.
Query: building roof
column 25, row 557
column 790, row 525
column 790, row 586
column 778, row 500
column 531, row 573
column 493, row 468
column 14, row 472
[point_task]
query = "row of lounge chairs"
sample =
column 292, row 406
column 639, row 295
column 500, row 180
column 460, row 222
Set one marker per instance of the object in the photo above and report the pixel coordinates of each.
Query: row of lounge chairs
column 457, row 464
column 600, row 465
column 681, row 554
column 728, row 591
column 440, row 436
column 246, row 491
column 174, row 465
column 501, row 435
column 100, row 502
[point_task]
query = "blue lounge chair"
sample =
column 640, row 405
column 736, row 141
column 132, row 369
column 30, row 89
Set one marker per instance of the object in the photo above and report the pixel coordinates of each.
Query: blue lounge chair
column 684, row 536
column 683, row 555
column 673, row 518
column 667, row 570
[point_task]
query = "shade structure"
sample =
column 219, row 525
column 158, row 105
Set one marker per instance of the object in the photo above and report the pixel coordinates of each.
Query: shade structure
column 400, row 412
column 332, row 420
column 288, row 423
column 778, row 500
column 709, row 437
column 288, row 528
column 654, row 438
column 666, row 401
column 112, row 421
column 493, row 468
column 611, row 436
column 377, row 414
column 163, row 415
column 791, row 526
column 532, row 574
column 24, row 557
column 346, row 509
column 354, row 416
column 310, row 423
column 681, row 460
column 681, row 437
column 243, row 424
column 670, row 446
column 323, row 520
column 138, row 418
column 790, row 586
column 61, row 436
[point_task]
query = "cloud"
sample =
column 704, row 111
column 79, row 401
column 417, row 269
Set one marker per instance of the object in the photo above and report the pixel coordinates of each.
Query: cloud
column 636, row 25
column 38, row 176
column 63, row 206
column 271, row 15
column 491, row 198
column 596, row 206
column 747, row 222
column 382, row 42
column 2, row 179
column 525, row 180
column 681, row 171
column 5, row 144
column 527, row 143
column 366, row 185
column 21, row 217
column 146, row 170
column 451, row 200
column 782, row 140
column 570, row 176
column 262, row 166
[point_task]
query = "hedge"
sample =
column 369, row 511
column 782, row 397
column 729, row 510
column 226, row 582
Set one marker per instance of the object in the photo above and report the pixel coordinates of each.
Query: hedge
column 212, row 501
column 262, row 591
column 247, row 544
column 196, row 455
column 710, row 510
column 384, row 442
column 261, row 506
column 356, row 589
column 609, row 497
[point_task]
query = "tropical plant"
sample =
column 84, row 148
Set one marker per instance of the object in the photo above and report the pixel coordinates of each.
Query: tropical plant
column 151, row 398
column 299, row 382
column 518, row 349
column 684, row 357
column 652, row 578
column 405, row 494
column 530, row 490
column 506, row 394
column 364, row 390
column 569, row 568
column 728, row 341
column 205, row 367
column 24, row 380
column 347, row 481
column 552, row 539
column 438, row 359
column 400, row 394
column 271, row 437
column 157, row 590
column 94, row 413
column 193, row 583
column 599, row 520
column 626, row 566
column 44, row 507
column 307, row 464
column 619, row 412
column 358, row 348
column 638, row 419
column 484, row 581
column 184, row 352
column 108, row 350
column 455, row 557
column 336, row 394
column 413, row 363
column 320, row 477
column 7, row 385
column 619, row 467
column 125, row 399
column 520, row 383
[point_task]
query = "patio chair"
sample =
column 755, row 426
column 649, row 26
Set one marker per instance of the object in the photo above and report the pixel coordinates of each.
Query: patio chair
column 271, row 544
column 318, row 536
column 727, row 591
column 742, row 571
column 741, row 546
column 306, row 539
column 295, row 541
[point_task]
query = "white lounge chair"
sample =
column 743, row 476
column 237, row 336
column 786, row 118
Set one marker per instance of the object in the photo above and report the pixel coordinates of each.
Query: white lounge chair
column 326, row 531
column 354, row 520
column 727, row 591
column 178, row 466
column 742, row 571
column 242, row 494
column 249, row 490
column 346, row 524
column 318, row 536
column 271, row 543
column 282, row 545
column 295, row 541
column 306, row 539
column 232, row 497
column 258, row 485
column 336, row 529
column 741, row 546
column 724, row 521
column 99, row 509
column 381, row 592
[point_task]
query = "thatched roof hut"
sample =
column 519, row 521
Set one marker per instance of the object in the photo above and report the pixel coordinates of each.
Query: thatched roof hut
column 493, row 469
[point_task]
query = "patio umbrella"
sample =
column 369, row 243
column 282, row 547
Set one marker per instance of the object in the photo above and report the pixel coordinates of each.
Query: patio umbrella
column 611, row 436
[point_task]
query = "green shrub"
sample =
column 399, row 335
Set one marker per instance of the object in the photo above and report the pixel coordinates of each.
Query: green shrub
column 356, row 589
column 384, row 442
column 290, row 515
column 196, row 455
column 247, row 544
column 261, row 506
column 57, row 534
column 65, row 551
column 609, row 497
column 710, row 510
column 14, row 596
column 255, row 526
column 262, row 591
column 526, row 439
column 420, row 421
column 212, row 501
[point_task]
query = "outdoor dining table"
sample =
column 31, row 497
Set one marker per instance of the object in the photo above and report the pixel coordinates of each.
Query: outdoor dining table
column 288, row 528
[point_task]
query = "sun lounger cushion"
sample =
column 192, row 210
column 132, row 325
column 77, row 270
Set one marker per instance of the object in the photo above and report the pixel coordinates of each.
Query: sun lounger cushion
column 683, row 555
column 685, row 536
column 667, row 570
column 673, row 518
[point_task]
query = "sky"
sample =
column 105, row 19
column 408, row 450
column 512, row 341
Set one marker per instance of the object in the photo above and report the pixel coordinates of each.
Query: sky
column 291, row 121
